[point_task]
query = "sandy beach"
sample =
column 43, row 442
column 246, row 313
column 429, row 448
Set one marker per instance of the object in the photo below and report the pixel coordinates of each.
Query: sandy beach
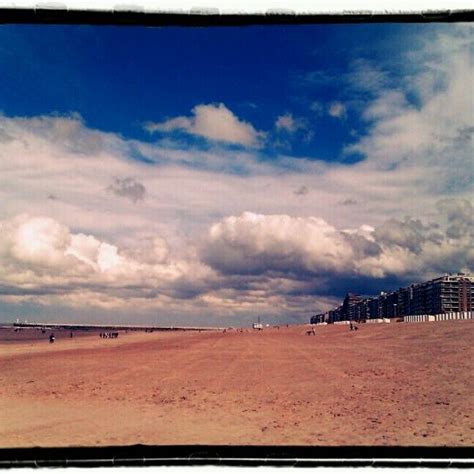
column 392, row 384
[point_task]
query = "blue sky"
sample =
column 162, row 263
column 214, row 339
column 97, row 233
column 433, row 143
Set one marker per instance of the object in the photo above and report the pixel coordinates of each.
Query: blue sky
column 118, row 78
column 202, row 175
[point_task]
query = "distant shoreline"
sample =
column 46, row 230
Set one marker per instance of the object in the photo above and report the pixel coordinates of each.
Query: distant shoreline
column 129, row 327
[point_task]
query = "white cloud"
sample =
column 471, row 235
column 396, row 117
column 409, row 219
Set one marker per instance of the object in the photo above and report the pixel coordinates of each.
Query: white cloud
column 214, row 122
column 289, row 124
column 337, row 110
column 85, row 248
column 42, row 257
column 389, row 104
column 255, row 244
column 37, row 241
column 285, row 122
column 436, row 136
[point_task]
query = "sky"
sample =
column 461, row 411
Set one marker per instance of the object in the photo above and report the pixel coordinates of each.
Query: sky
column 209, row 176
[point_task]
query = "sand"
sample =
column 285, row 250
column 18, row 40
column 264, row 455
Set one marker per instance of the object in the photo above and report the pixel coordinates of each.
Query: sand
column 392, row 384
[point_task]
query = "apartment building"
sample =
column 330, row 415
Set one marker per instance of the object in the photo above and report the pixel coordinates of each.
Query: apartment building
column 446, row 294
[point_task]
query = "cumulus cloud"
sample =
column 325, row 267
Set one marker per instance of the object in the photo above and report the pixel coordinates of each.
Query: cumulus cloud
column 128, row 188
column 410, row 234
column 254, row 244
column 337, row 110
column 39, row 241
column 214, row 122
column 41, row 256
column 251, row 260
column 152, row 249
column 46, row 248
column 460, row 217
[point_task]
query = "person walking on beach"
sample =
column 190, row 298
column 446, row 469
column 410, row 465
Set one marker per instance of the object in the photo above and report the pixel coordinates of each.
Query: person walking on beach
column 51, row 338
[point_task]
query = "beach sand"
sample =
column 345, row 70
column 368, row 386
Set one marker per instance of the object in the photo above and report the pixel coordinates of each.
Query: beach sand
column 391, row 384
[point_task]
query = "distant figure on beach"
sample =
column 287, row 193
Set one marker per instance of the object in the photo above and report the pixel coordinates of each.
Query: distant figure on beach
column 311, row 332
column 51, row 338
column 70, row 335
column 351, row 327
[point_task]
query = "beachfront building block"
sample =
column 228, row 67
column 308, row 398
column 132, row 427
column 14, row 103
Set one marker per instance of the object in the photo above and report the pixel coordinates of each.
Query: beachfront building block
column 448, row 295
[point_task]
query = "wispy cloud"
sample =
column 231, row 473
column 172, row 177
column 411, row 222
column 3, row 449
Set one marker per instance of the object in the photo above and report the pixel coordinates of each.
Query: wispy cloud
column 318, row 78
column 367, row 76
column 290, row 124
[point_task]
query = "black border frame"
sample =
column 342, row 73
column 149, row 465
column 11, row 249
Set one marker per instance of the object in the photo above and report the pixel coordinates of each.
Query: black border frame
column 142, row 18
column 199, row 455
